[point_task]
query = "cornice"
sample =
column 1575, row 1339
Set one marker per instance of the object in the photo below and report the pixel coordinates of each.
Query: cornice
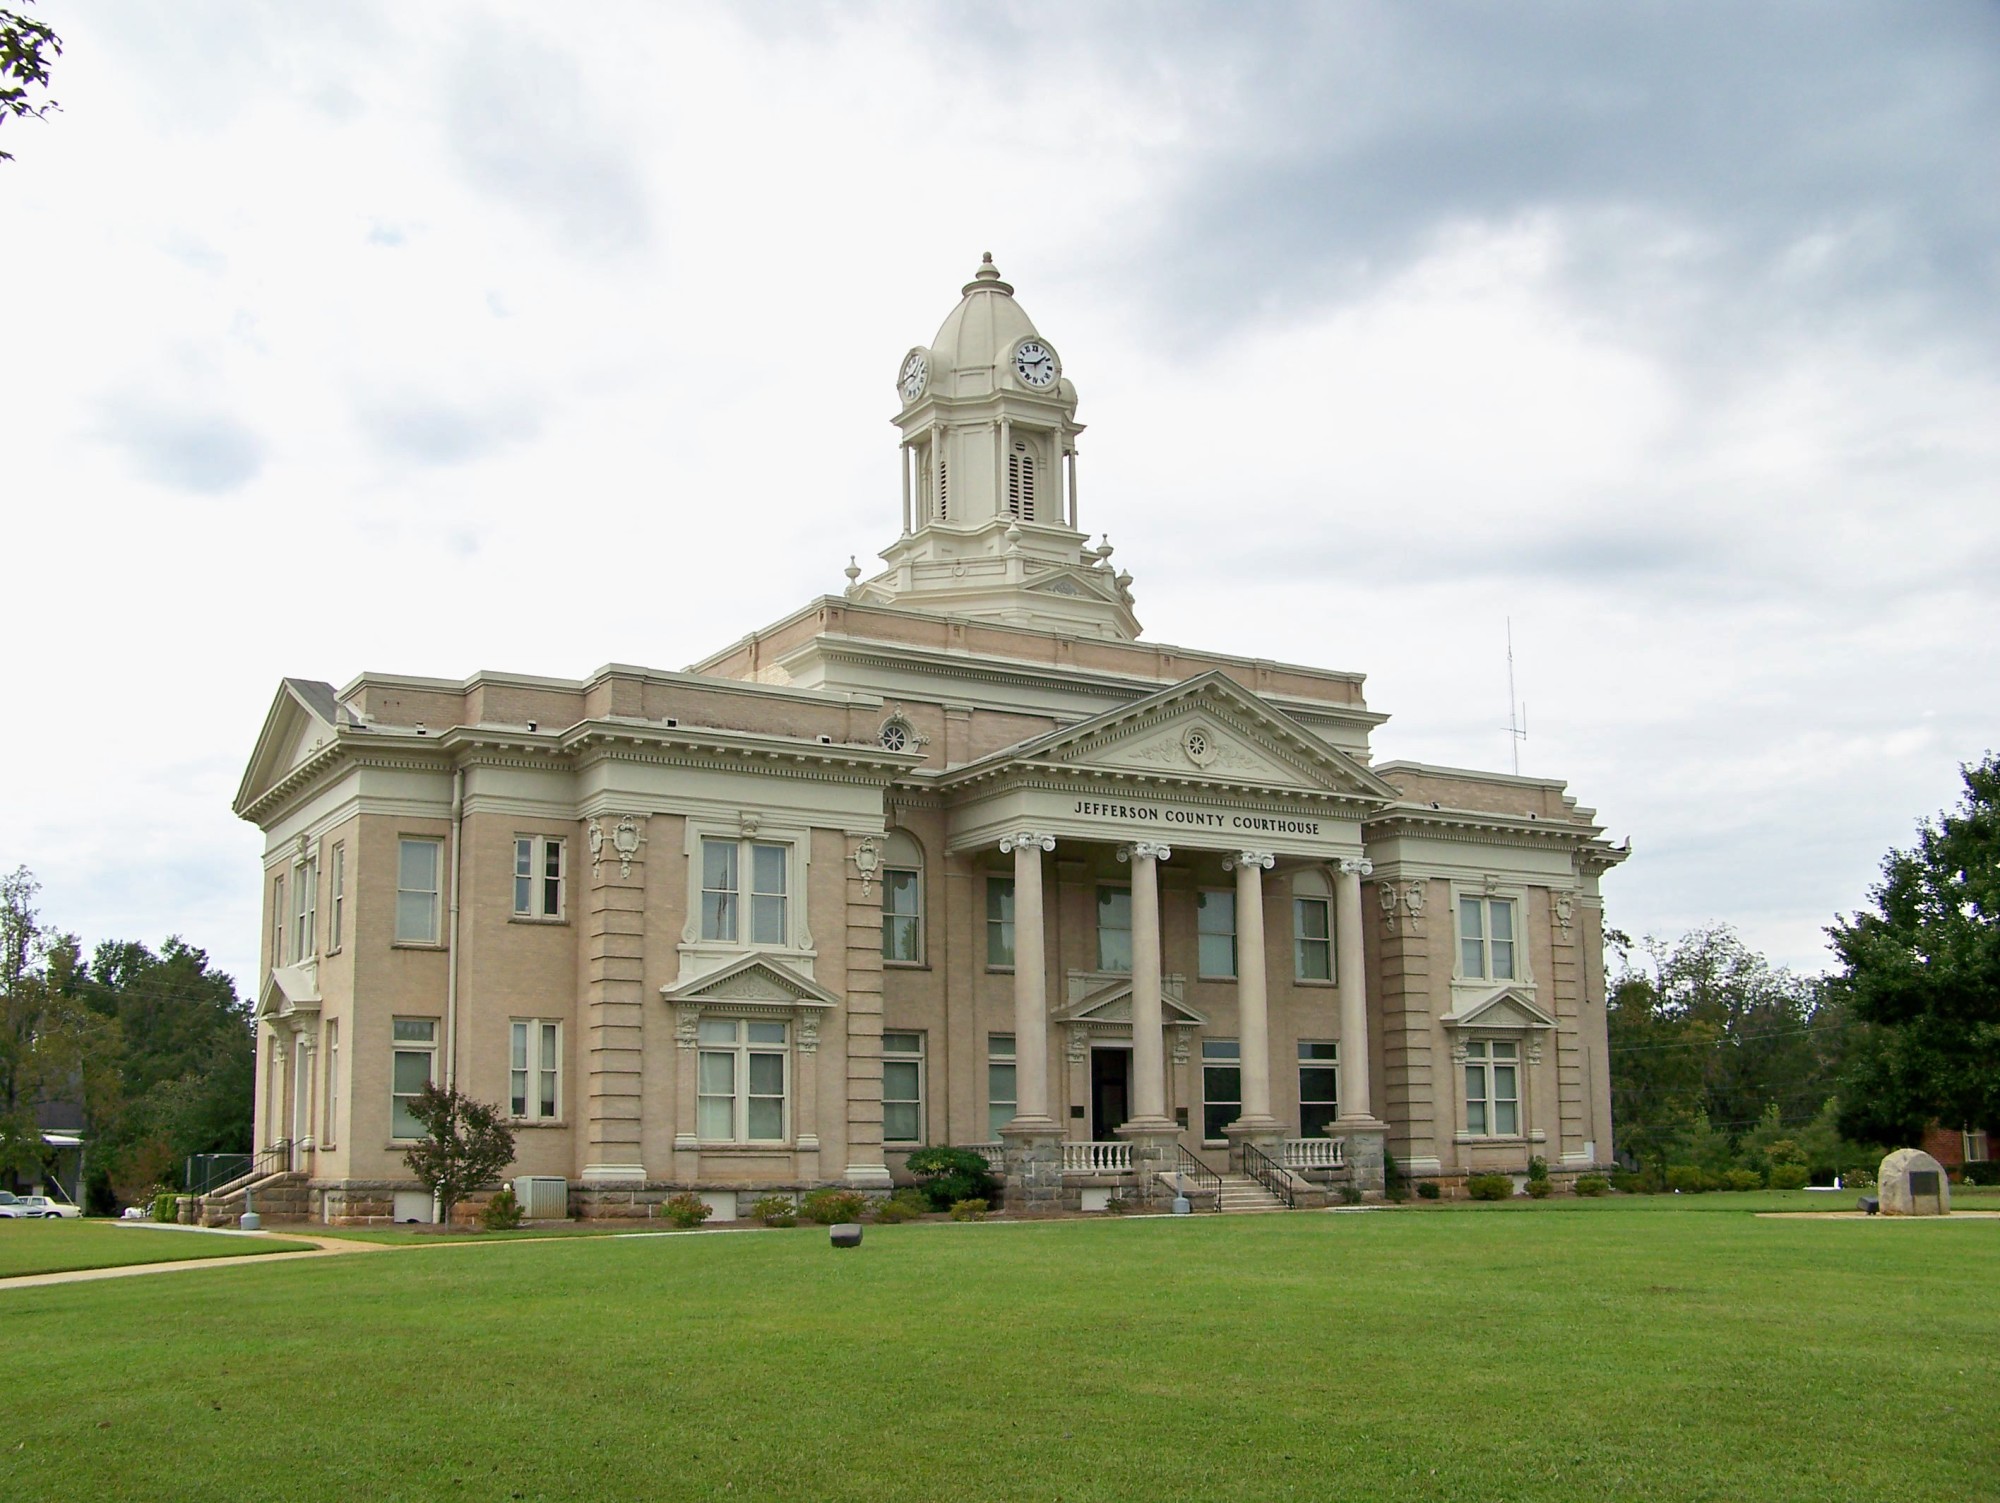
column 1481, row 826
column 1062, row 777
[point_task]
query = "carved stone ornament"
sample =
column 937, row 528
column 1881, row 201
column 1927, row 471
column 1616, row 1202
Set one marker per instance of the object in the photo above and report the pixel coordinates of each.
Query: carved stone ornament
column 687, row 1027
column 868, row 861
column 1534, row 1050
column 1024, row 840
column 1140, row 849
column 625, row 840
column 1565, row 911
column 1248, row 858
column 808, row 1032
column 1079, row 1043
column 1198, row 742
column 1181, row 1049
column 593, row 834
column 1357, row 866
column 1402, row 904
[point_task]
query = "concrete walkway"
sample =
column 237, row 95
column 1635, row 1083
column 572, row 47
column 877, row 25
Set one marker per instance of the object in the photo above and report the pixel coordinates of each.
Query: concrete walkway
column 321, row 1247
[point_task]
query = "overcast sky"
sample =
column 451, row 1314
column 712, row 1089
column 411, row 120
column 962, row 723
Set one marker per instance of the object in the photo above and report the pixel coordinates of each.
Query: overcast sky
column 432, row 338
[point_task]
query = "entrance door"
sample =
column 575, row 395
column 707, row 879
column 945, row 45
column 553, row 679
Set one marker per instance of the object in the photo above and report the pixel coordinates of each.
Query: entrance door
column 1110, row 1092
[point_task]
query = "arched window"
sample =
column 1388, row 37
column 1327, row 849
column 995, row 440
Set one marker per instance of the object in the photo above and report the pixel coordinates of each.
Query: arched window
column 1312, row 926
column 1021, row 484
column 903, row 900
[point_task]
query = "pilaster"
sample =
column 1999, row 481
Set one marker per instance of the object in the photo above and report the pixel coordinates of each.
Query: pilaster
column 866, row 1168
column 614, row 928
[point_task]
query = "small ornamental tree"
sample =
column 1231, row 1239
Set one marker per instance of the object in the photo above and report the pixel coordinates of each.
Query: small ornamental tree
column 949, row 1175
column 466, row 1144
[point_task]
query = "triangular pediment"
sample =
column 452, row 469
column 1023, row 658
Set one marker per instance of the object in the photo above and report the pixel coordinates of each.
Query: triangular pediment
column 1507, row 1008
column 302, row 719
column 289, row 989
column 1208, row 729
column 753, row 979
column 1108, row 999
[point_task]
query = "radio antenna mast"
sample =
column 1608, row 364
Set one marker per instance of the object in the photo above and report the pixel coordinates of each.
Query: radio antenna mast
column 1517, row 713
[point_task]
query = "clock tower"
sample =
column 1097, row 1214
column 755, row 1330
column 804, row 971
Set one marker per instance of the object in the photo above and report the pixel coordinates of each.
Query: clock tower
column 988, row 421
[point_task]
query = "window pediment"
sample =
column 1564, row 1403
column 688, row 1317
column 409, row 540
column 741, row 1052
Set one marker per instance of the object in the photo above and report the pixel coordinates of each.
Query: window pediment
column 290, row 989
column 1508, row 1008
column 754, row 979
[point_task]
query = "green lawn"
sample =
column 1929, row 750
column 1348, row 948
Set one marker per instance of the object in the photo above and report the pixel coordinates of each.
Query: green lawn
column 59, row 1246
column 1459, row 1353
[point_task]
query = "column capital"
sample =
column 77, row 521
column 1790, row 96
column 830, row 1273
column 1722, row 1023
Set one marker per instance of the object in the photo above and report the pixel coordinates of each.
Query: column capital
column 1141, row 849
column 1235, row 859
column 1356, row 866
column 1026, row 840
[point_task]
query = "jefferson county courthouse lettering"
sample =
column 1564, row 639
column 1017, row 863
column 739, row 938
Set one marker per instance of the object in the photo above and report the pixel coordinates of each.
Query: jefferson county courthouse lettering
column 953, row 858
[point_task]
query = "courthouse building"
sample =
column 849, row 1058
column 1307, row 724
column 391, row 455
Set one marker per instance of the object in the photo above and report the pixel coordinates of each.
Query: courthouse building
column 956, row 857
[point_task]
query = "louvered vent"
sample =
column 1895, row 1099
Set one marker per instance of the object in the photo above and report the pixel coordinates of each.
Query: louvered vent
column 1021, row 484
column 543, row 1197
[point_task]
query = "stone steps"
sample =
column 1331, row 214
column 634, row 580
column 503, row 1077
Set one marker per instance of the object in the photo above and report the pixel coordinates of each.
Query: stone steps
column 1242, row 1193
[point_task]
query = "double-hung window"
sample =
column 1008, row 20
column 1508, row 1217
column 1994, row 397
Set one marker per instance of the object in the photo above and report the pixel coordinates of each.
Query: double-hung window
column 538, row 876
column 1221, row 1085
column 1114, row 928
column 277, row 921
column 903, row 900
column 1312, row 928
column 1492, row 1089
column 336, row 898
column 413, row 1067
column 726, row 894
column 1215, row 934
column 740, row 1097
column 1000, row 923
column 902, row 1088
column 1319, row 1087
column 305, row 899
column 1486, row 939
column 534, row 1069
column 1000, row 1095
column 330, row 1134
column 419, row 863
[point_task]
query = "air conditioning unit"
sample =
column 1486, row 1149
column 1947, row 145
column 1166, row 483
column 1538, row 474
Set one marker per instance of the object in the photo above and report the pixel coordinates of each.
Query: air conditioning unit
column 543, row 1197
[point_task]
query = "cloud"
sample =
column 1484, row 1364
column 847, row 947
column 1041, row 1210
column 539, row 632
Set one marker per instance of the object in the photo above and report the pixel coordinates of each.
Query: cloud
column 425, row 431
column 207, row 454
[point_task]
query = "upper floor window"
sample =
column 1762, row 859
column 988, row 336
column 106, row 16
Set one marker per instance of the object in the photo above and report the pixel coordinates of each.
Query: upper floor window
column 305, row 897
column 1215, row 933
column 902, row 1087
column 725, row 893
column 538, row 876
column 419, row 862
column 1000, row 923
column 534, row 1068
column 336, row 898
column 1312, row 927
column 742, row 1077
column 1486, row 939
column 277, row 921
column 1114, row 928
column 903, row 900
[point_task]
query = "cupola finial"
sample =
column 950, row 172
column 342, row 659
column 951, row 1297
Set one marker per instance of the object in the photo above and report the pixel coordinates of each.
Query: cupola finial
column 987, row 278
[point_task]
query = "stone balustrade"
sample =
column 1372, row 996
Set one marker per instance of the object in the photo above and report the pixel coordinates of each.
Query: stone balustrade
column 1313, row 1153
column 1097, row 1158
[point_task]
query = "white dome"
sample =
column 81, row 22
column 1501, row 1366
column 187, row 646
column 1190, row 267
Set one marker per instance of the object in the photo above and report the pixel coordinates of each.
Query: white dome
column 981, row 332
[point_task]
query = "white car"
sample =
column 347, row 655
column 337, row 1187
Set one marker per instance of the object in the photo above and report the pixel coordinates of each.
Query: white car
column 38, row 1207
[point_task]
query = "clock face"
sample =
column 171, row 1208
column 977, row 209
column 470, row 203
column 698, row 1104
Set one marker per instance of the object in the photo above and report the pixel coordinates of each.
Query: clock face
column 1035, row 363
column 915, row 371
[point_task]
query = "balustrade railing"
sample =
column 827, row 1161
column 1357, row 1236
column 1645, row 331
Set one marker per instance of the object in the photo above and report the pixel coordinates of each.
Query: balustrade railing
column 1097, row 1158
column 995, row 1155
column 1313, row 1153
column 1269, row 1173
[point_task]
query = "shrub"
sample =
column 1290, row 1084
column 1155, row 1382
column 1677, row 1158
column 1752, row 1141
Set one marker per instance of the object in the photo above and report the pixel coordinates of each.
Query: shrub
column 949, row 1175
column 1489, row 1187
column 1686, row 1178
column 1350, row 1195
column 776, row 1210
column 1743, row 1179
column 686, row 1209
column 1788, row 1176
column 1428, row 1189
column 1118, row 1205
column 973, row 1209
column 1538, row 1169
column 502, row 1213
column 831, row 1207
column 166, row 1207
column 1592, row 1185
column 1539, row 1188
column 890, row 1212
column 1983, row 1172
column 1857, row 1178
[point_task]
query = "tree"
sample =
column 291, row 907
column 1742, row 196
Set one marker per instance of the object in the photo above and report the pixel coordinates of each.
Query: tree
column 466, row 1144
column 26, row 46
column 1922, row 976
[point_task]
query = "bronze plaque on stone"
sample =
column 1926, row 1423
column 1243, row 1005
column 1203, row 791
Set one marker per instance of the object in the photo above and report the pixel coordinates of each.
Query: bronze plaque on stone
column 1923, row 1182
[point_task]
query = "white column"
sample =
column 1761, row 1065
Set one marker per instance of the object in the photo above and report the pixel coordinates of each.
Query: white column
column 1354, row 1102
column 1031, row 973
column 903, row 454
column 1149, row 1055
column 1000, row 471
column 1252, row 997
column 1071, row 457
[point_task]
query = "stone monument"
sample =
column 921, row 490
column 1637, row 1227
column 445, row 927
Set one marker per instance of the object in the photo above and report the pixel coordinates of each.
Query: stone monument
column 1912, row 1183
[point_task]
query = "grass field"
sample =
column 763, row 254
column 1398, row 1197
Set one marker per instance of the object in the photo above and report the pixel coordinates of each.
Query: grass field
column 59, row 1246
column 1572, row 1351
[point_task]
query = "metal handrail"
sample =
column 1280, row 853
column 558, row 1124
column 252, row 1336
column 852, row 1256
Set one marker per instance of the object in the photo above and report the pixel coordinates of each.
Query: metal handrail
column 1188, row 1167
column 1269, row 1173
column 277, row 1159
column 207, row 1170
